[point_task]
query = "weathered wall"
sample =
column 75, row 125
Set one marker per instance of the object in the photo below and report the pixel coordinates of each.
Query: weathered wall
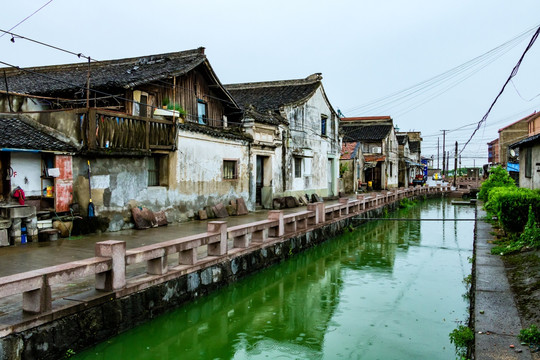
column 510, row 135
column 195, row 180
column 199, row 170
column 305, row 140
column 390, row 176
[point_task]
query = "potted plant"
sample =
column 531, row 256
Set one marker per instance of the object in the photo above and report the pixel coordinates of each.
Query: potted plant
column 165, row 102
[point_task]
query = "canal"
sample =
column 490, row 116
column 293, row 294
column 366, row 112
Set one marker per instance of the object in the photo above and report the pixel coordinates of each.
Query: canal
column 387, row 290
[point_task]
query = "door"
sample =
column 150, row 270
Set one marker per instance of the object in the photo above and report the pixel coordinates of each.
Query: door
column 259, row 180
column 330, row 176
column 63, row 184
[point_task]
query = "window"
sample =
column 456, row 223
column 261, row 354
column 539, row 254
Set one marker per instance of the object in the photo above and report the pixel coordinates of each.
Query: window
column 323, row 124
column 528, row 162
column 202, row 111
column 157, row 166
column 230, row 169
column 297, row 167
column 153, row 171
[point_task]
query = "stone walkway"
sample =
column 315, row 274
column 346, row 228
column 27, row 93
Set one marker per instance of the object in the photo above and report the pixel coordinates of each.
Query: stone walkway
column 497, row 321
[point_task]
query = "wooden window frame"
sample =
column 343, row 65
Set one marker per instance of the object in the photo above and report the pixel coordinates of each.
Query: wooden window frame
column 225, row 172
column 297, row 167
column 202, row 118
column 324, row 125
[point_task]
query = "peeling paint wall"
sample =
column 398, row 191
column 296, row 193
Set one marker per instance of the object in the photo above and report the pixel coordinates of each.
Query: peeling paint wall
column 26, row 172
column 319, row 152
column 195, row 180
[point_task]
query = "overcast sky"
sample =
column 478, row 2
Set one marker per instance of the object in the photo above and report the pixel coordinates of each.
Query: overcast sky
column 366, row 50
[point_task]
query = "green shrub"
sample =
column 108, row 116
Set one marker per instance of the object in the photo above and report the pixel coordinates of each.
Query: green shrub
column 511, row 206
column 530, row 335
column 498, row 177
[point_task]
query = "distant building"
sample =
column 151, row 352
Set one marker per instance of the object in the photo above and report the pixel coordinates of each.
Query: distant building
column 528, row 150
column 379, row 146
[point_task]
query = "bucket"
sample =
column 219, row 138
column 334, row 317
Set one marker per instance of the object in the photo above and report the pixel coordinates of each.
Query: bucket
column 23, row 239
column 49, row 191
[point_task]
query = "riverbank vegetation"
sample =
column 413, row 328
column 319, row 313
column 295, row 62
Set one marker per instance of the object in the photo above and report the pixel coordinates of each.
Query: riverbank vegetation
column 515, row 212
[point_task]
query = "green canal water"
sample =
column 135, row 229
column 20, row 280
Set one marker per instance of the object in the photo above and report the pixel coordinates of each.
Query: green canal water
column 387, row 290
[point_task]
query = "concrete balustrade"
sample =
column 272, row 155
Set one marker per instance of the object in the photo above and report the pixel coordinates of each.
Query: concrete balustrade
column 112, row 258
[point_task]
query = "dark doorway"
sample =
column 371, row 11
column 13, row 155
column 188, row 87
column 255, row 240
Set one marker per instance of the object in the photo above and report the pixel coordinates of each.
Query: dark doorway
column 5, row 173
column 259, row 180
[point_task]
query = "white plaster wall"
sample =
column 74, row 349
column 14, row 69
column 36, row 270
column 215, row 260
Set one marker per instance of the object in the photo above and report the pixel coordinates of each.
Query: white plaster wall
column 534, row 181
column 26, row 172
column 305, row 133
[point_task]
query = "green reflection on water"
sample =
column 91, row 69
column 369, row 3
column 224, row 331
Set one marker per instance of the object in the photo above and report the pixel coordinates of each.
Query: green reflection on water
column 388, row 290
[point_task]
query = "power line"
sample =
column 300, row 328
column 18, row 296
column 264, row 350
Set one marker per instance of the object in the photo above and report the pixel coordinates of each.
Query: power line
column 26, row 18
column 512, row 74
column 404, row 95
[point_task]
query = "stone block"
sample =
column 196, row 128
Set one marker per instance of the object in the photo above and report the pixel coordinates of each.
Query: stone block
column 220, row 211
column 143, row 218
column 202, row 215
column 161, row 218
column 5, row 223
column 242, row 208
column 290, row 202
column 209, row 212
column 4, row 238
column 17, row 211
column 231, row 210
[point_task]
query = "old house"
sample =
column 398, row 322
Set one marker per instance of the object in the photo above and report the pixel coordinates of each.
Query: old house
column 405, row 172
column 351, row 167
column 178, row 159
column 528, row 150
column 296, row 142
column 36, row 159
column 379, row 146
column 493, row 152
column 509, row 135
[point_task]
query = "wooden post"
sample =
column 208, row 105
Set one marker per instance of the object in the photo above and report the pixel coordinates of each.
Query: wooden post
column 91, row 115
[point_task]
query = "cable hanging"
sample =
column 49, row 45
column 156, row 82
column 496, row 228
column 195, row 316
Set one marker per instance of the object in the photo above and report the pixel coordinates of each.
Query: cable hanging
column 512, row 74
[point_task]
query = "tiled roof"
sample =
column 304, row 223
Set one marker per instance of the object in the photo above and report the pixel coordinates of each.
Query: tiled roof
column 531, row 140
column 349, row 150
column 414, row 146
column 20, row 132
column 366, row 118
column 122, row 73
column 271, row 95
column 269, row 117
column 371, row 158
column 365, row 132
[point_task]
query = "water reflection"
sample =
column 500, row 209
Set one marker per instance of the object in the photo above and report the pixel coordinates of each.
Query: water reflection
column 390, row 289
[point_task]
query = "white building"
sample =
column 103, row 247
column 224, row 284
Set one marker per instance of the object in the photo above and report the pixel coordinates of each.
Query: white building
column 296, row 144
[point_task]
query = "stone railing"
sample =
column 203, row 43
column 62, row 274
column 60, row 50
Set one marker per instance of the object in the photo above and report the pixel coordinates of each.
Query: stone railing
column 112, row 259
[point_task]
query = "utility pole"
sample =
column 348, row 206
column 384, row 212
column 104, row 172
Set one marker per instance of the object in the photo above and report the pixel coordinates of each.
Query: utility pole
column 444, row 167
column 455, row 165
column 437, row 153
column 447, row 161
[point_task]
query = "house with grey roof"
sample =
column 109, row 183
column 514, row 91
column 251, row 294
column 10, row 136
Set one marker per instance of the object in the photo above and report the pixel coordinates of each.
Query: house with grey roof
column 296, row 147
column 379, row 146
column 160, row 131
column 26, row 147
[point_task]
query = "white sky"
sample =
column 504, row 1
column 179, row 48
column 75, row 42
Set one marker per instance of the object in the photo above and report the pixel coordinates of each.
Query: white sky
column 364, row 49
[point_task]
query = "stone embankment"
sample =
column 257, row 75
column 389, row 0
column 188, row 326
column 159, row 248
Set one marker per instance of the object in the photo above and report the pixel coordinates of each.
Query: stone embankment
column 133, row 286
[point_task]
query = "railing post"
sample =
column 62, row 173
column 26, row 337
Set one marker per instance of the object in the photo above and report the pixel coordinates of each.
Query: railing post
column 147, row 145
column 219, row 248
column 315, row 209
column 344, row 201
column 39, row 300
column 322, row 212
column 277, row 215
column 115, row 278
column 362, row 199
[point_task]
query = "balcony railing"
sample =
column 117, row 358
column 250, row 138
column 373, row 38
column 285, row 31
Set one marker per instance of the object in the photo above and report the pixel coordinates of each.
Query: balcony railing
column 109, row 130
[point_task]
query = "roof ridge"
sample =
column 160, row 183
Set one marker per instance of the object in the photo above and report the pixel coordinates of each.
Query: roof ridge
column 152, row 57
column 311, row 79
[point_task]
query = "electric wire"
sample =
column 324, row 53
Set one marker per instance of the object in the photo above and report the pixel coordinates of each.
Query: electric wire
column 512, row 74
column 26, row 18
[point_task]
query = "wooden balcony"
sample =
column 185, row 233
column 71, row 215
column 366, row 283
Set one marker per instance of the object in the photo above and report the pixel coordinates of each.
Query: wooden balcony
column 115, row 132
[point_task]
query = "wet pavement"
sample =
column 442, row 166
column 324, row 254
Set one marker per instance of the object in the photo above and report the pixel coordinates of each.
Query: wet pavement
column 497, row 323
